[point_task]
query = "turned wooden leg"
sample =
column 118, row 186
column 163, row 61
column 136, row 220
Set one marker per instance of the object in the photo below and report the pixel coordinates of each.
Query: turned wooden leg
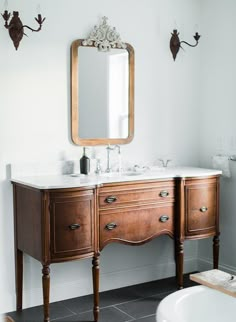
column 95, row 263
column 19, row 279
column 179, row 257
column 216, row 248
column 46, row 291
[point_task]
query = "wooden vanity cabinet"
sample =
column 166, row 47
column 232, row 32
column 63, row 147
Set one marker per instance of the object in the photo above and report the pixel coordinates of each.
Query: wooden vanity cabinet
column 56, row 225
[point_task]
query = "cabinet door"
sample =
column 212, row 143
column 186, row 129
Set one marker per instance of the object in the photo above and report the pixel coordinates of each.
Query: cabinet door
column 201, row 209
column 72, row 225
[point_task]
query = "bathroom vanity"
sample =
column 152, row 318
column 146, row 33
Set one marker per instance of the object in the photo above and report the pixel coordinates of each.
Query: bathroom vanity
column 64, row 218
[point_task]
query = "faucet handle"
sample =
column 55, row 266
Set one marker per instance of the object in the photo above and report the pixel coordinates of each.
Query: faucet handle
column 118, row 148
column 165, row 163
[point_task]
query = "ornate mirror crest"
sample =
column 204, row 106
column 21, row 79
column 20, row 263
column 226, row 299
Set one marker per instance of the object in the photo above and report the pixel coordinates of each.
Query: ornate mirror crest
column 104, row 37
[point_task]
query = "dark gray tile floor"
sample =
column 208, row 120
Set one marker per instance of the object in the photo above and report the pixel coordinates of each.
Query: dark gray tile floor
column 127, row 304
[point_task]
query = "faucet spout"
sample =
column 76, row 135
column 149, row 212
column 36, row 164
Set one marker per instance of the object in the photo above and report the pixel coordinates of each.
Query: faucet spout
column 109, row 149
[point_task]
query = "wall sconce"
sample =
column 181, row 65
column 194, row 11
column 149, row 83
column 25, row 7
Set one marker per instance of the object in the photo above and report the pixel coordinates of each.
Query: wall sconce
column 175, row 43
column 16, row 28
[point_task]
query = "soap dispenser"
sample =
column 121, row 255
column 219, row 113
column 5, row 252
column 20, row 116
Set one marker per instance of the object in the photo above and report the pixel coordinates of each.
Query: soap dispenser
column 84, row 163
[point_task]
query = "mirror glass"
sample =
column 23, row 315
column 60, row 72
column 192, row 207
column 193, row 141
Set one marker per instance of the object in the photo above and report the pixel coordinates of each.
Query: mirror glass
column 102, row 95
column 104, row 92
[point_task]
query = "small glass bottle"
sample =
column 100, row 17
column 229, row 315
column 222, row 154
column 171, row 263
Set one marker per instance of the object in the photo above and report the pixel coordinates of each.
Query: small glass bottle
column 84, row 163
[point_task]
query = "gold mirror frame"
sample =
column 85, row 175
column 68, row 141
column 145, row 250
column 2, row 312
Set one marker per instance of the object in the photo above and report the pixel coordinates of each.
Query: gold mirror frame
column 75, row 100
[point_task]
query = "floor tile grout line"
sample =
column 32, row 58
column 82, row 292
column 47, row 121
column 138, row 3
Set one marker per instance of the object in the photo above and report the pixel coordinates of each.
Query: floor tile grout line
column 146, row 316
column 74, row 313
column 132, row 317
column 118, row 303
column 63, row 316
column 138, row 299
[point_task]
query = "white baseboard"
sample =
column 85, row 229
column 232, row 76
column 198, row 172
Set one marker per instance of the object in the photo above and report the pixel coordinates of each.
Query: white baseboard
column 143, row 274
column 108, row 281
column 205, row 264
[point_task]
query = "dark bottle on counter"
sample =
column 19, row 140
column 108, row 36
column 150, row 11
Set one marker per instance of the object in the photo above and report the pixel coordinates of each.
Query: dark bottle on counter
column 84, row 163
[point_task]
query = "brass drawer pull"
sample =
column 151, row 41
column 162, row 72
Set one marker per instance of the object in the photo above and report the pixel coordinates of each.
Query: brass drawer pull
column 164, row 193
column 203, row 209
column 111, row 226
column 164, row 218
column 74, row 226
column 110, row 199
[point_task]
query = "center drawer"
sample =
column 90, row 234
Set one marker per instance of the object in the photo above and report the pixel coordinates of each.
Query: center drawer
column 135, row 224
column 132, row 194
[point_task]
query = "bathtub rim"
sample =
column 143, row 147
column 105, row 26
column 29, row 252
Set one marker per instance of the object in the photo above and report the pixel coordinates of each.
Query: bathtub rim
column 171, row 300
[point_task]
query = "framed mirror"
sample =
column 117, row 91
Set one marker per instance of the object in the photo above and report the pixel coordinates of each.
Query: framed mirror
column 102, row 92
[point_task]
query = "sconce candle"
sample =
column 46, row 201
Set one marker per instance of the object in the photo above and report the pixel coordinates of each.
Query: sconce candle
column 38, row 9
column 6, row 5
column 16, row 28
column 175, row 43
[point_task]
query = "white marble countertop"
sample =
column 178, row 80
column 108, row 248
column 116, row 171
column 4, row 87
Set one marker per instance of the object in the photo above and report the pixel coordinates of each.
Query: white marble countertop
column 75, row 181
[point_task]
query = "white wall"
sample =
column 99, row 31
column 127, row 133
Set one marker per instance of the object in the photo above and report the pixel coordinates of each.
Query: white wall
column 218, row 110
column 35, row 123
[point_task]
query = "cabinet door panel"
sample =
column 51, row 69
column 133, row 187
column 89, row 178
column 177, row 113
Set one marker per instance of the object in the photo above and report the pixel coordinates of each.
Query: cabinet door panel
column 200, row 209
column 72, row 226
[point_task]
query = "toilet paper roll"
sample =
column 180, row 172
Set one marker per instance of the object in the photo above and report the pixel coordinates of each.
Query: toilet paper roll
column 221, row 162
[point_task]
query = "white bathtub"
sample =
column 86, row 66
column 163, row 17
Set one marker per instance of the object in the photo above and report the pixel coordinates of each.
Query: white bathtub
column 197, row 304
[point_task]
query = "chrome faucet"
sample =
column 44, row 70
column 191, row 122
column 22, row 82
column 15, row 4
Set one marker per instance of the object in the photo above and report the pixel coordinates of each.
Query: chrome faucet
column 109, row 148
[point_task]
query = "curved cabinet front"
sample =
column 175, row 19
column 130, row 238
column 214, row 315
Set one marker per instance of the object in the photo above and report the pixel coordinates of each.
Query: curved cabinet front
column 72, row 224
column 201, row 208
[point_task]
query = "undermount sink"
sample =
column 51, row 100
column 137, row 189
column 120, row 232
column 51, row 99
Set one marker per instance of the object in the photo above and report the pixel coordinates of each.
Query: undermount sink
column 132, row 173
column 110, row 174
column 120, row 174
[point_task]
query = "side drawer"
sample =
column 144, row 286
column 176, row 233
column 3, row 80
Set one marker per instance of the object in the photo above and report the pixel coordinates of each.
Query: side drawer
column 201, row 209
column 139, row 193
column 72, row 224
column 136, row 224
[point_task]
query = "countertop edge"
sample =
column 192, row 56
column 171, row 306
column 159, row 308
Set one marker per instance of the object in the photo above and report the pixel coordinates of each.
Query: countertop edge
column 67, row 181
